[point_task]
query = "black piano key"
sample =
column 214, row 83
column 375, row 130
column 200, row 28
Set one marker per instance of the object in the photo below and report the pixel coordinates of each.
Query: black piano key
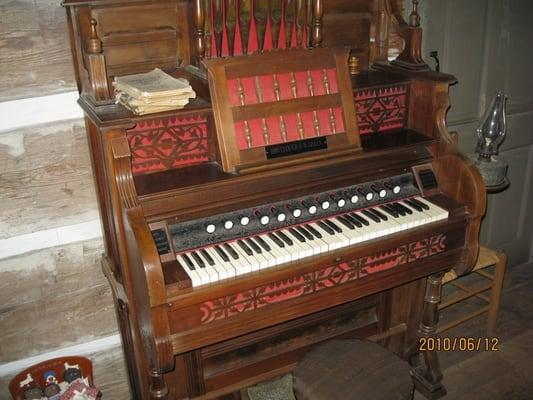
column 231, row 251
column 353, row 220
column 198, row 259
column 413, row 205
column 316, row 233
column 371, row 216
column 333, row 226
column 378, row 214
column 404, row 208
column 304, row 232
column 254, row 246
column 391, row 211
column 222, row 253
column 398, row 209
column 209, row 259
column 245, row 247
column 326, row 227
column 262, row 243
column 345, row 222
column 276, row 239
column 419, row 203
column 297, row 235
column 189, row 262
column 285, row 238
column 360, row 218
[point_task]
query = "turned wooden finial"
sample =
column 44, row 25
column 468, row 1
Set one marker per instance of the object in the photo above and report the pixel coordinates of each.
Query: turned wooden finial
column 414, row 17
column 94, row 44
column 353, row 65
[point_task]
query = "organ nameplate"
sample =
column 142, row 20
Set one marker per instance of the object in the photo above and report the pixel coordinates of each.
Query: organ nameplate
column 298, row 147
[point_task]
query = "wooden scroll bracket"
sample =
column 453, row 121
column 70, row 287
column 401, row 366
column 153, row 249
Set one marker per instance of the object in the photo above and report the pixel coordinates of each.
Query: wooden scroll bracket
column 425, row 364
column 144, row 282
column 411, row 57
column 96, row 67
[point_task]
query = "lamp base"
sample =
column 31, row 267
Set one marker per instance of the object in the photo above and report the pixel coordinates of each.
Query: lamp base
column 493, row 171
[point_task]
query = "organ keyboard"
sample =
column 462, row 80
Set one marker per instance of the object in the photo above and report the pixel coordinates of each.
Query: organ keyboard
column 289, row 203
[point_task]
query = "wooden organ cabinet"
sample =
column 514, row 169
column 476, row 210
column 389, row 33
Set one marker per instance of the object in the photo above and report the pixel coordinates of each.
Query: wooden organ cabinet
column 310, row 191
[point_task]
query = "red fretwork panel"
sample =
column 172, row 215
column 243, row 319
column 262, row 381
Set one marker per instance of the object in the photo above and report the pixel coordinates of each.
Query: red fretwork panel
column 322, row 279
column 383, row 109
column 165, row 143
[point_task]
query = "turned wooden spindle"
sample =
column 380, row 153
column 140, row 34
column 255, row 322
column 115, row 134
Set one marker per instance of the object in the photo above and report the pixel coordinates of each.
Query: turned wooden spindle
column 289, row 13
column 294, row 92
column 218, row 25
column 245, row 19
column 242, row 101
column 199, row 28
column 94, row 44
column 311, row 87
column 327, row 88
column 231, row 21
column 264, row 126
column 277, row 94
column 318, row 12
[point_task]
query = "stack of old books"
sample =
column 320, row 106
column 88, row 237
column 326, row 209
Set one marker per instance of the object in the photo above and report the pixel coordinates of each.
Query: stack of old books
column 152, row 92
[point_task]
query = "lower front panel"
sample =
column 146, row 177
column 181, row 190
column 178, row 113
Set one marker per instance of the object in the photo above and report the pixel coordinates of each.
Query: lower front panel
column 239, row 362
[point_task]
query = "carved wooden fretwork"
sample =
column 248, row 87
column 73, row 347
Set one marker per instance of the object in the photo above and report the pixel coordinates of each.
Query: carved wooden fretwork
column 164, row 143
column 383, row 109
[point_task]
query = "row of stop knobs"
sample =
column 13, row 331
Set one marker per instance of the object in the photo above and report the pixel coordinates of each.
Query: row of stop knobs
column 296, row 211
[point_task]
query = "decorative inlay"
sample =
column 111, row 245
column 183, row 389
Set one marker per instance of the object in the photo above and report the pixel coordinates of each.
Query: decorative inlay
column 172, row 142
column 382, row 109
column 322, row 279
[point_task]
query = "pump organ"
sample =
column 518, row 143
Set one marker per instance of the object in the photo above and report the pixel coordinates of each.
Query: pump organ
column 290, row 203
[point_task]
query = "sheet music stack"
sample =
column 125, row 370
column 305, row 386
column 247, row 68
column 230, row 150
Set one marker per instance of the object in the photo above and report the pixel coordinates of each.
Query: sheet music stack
column 152, row 92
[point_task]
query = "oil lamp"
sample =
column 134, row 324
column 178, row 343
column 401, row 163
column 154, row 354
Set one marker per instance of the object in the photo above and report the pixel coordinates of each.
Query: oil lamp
column 491, row 133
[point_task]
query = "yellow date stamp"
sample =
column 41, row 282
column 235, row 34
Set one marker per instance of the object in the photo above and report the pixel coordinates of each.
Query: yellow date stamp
column 458, row 344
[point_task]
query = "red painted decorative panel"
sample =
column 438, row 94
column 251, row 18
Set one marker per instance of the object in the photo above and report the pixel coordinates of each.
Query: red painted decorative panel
column 381, row 109
column 285, row 128
column 165, row 143
column 329, row 277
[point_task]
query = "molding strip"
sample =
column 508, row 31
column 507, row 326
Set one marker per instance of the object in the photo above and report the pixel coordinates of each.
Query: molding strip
column 82, row 349
column 39, row 110
column 50, row 238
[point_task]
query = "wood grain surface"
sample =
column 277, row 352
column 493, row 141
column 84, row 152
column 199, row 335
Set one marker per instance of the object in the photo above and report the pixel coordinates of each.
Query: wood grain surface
column 53, row 298
column 45, row 180
column 34, row 49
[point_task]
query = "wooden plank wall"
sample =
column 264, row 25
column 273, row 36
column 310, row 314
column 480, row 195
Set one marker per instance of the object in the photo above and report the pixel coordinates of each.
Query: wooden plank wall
column 53, row 297
column 494, row 56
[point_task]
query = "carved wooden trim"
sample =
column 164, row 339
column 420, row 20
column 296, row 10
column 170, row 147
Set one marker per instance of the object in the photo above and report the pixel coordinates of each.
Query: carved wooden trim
column 96, row 66
column 411, row 33
column 123, row 174
column 322, row 279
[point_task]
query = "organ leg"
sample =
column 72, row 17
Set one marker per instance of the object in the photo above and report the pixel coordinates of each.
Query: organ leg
column 425, row 364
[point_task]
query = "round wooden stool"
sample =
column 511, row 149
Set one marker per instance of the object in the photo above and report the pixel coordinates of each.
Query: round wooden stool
column 350, row 370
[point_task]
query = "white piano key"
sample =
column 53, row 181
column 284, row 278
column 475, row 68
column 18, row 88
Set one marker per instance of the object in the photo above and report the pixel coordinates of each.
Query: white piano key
column 225, row 270
column 195, row 278
column 202, row 272
column 230, row 268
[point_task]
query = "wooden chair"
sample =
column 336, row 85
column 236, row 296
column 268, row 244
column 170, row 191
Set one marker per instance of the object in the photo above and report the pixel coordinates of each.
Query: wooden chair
column 56, row 365
column 487, row 258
